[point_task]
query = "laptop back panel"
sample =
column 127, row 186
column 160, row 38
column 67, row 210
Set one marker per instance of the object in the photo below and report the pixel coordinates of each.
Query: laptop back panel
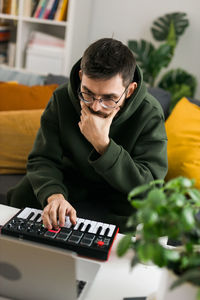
column 29, row 271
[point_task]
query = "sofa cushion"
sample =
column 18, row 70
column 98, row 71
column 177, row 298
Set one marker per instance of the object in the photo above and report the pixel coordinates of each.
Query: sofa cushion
column 163, row 97
column 17, row 133
column 26, row 78
column 59, row 79
column 7, row 181
column 18, row 96
column 183, row 131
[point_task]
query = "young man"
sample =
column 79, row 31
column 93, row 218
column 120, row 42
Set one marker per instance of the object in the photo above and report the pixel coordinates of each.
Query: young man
column 101, row 135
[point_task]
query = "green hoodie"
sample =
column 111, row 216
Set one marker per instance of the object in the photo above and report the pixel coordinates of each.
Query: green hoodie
column 63, row 161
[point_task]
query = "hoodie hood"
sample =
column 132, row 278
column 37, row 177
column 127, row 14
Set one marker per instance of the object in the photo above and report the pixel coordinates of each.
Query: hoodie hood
column 131, row 104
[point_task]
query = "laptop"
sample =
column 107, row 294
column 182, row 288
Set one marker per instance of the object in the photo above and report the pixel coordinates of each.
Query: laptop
column 31, row 271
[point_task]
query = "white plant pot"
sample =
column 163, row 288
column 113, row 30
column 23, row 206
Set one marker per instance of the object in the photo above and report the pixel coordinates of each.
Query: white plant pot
column 185, row 291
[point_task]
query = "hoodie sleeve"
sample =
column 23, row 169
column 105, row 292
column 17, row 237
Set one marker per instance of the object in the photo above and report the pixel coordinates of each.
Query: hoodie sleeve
column 147, row 160
column 45, row 165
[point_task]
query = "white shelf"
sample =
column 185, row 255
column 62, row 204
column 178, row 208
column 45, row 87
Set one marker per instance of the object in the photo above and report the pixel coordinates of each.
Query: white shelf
column 74, row 31
column 9, row 17
column 42, row 21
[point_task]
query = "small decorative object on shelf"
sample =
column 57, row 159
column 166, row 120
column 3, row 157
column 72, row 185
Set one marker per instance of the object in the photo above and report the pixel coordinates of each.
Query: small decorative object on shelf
column 4, row 40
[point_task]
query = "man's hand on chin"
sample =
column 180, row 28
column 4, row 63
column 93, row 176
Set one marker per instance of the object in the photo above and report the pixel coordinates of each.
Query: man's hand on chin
column 96, row 126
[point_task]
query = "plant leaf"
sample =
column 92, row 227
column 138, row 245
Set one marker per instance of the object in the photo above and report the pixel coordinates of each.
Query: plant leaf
column 138, row 190
column 161, row 26
column 194, row 195
column 188, row 218
column 142, row 50
column 124, row 244
column 179, row 83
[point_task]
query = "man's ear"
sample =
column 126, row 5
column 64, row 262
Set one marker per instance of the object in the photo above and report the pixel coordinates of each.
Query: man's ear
column 132, row 87
column 80, row 74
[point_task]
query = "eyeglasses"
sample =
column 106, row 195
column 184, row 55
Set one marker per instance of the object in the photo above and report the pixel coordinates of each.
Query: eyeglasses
column 105, row 102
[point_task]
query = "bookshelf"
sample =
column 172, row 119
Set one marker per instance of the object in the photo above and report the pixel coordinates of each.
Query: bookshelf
column 74, row 31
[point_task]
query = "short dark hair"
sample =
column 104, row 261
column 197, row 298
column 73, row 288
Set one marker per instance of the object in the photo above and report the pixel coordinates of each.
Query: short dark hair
column 108, row 57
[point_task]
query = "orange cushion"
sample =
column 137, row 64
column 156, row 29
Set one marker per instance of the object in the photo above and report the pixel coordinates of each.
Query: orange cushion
column 17, row 134
column 183, row 131
column 18, row 96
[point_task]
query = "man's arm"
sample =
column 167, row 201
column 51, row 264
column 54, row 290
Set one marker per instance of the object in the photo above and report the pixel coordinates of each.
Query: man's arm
column 124, row 170
column 45, row 171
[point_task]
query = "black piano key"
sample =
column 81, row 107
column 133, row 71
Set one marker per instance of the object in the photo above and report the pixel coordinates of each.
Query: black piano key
column 99, row 230
column 30, row 216
column 87, row 228
column 37, row 217
column 80, row 226
column 107, row 231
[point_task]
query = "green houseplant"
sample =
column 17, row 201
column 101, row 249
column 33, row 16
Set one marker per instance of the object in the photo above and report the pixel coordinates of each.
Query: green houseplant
column 166, row 210
column 167, row 31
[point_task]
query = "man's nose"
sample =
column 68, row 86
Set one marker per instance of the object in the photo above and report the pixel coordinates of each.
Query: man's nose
column 96, row 106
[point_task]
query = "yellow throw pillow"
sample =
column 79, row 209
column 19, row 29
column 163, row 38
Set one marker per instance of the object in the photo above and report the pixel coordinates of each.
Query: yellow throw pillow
column 183, row 131
column 17, row 134
column 18, row 96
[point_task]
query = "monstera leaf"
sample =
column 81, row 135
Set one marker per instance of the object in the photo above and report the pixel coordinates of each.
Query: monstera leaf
column 161, row 27
column 179, row 83
column 151, row 60
column 142, row 51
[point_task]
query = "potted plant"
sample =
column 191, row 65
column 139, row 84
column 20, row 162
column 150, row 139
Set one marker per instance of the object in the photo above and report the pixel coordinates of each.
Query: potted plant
column 166, row 210
column 166, row 30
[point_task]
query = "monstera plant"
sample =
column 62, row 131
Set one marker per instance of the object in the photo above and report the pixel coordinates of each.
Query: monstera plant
column 152, row 60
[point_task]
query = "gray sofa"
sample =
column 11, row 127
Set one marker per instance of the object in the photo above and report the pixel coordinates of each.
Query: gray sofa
column 8, row 181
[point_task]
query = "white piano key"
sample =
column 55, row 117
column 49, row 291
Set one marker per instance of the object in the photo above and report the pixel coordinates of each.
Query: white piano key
column 40, row 219
column 99, row 224
column 68, row 223
column 25, row 213
column 92, row 228
column 104, row 227
column 78, row 221
column 86, row 223
column 35, row 211
column 112, row 228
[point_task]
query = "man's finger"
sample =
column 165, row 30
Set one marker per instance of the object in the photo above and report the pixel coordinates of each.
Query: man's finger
column 53, row 216
column 61, row 215
column 72, row 216
column 46, row 220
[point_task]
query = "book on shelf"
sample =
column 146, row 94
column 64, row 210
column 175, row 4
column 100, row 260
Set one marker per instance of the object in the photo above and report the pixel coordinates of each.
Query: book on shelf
column 9, row 7
column 4, row 40
column 38, row 9
column 27, row 8
column 6, row 6
column 53, row 10
column 11, row 54
column 14, row 7
column 43, row 39
column 34, row 7
column 61, row 12
column 43, row 7
column 48, row 9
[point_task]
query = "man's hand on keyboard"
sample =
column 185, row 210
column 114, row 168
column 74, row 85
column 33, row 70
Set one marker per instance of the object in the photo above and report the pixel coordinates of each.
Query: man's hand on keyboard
column 57, row 208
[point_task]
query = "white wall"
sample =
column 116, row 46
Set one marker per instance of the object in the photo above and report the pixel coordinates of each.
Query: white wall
column 131, row 19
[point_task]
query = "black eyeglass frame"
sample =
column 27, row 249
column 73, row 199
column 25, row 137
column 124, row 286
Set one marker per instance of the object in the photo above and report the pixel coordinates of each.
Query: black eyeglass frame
column 100, row 100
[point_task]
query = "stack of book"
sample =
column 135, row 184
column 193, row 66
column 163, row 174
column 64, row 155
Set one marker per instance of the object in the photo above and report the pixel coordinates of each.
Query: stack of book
column 4, row 40
column 46, row 9
column 9, row 7
column 44, row 53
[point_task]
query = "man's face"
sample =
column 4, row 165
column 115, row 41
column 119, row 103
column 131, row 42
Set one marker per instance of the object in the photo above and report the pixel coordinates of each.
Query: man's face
column 110, row 88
